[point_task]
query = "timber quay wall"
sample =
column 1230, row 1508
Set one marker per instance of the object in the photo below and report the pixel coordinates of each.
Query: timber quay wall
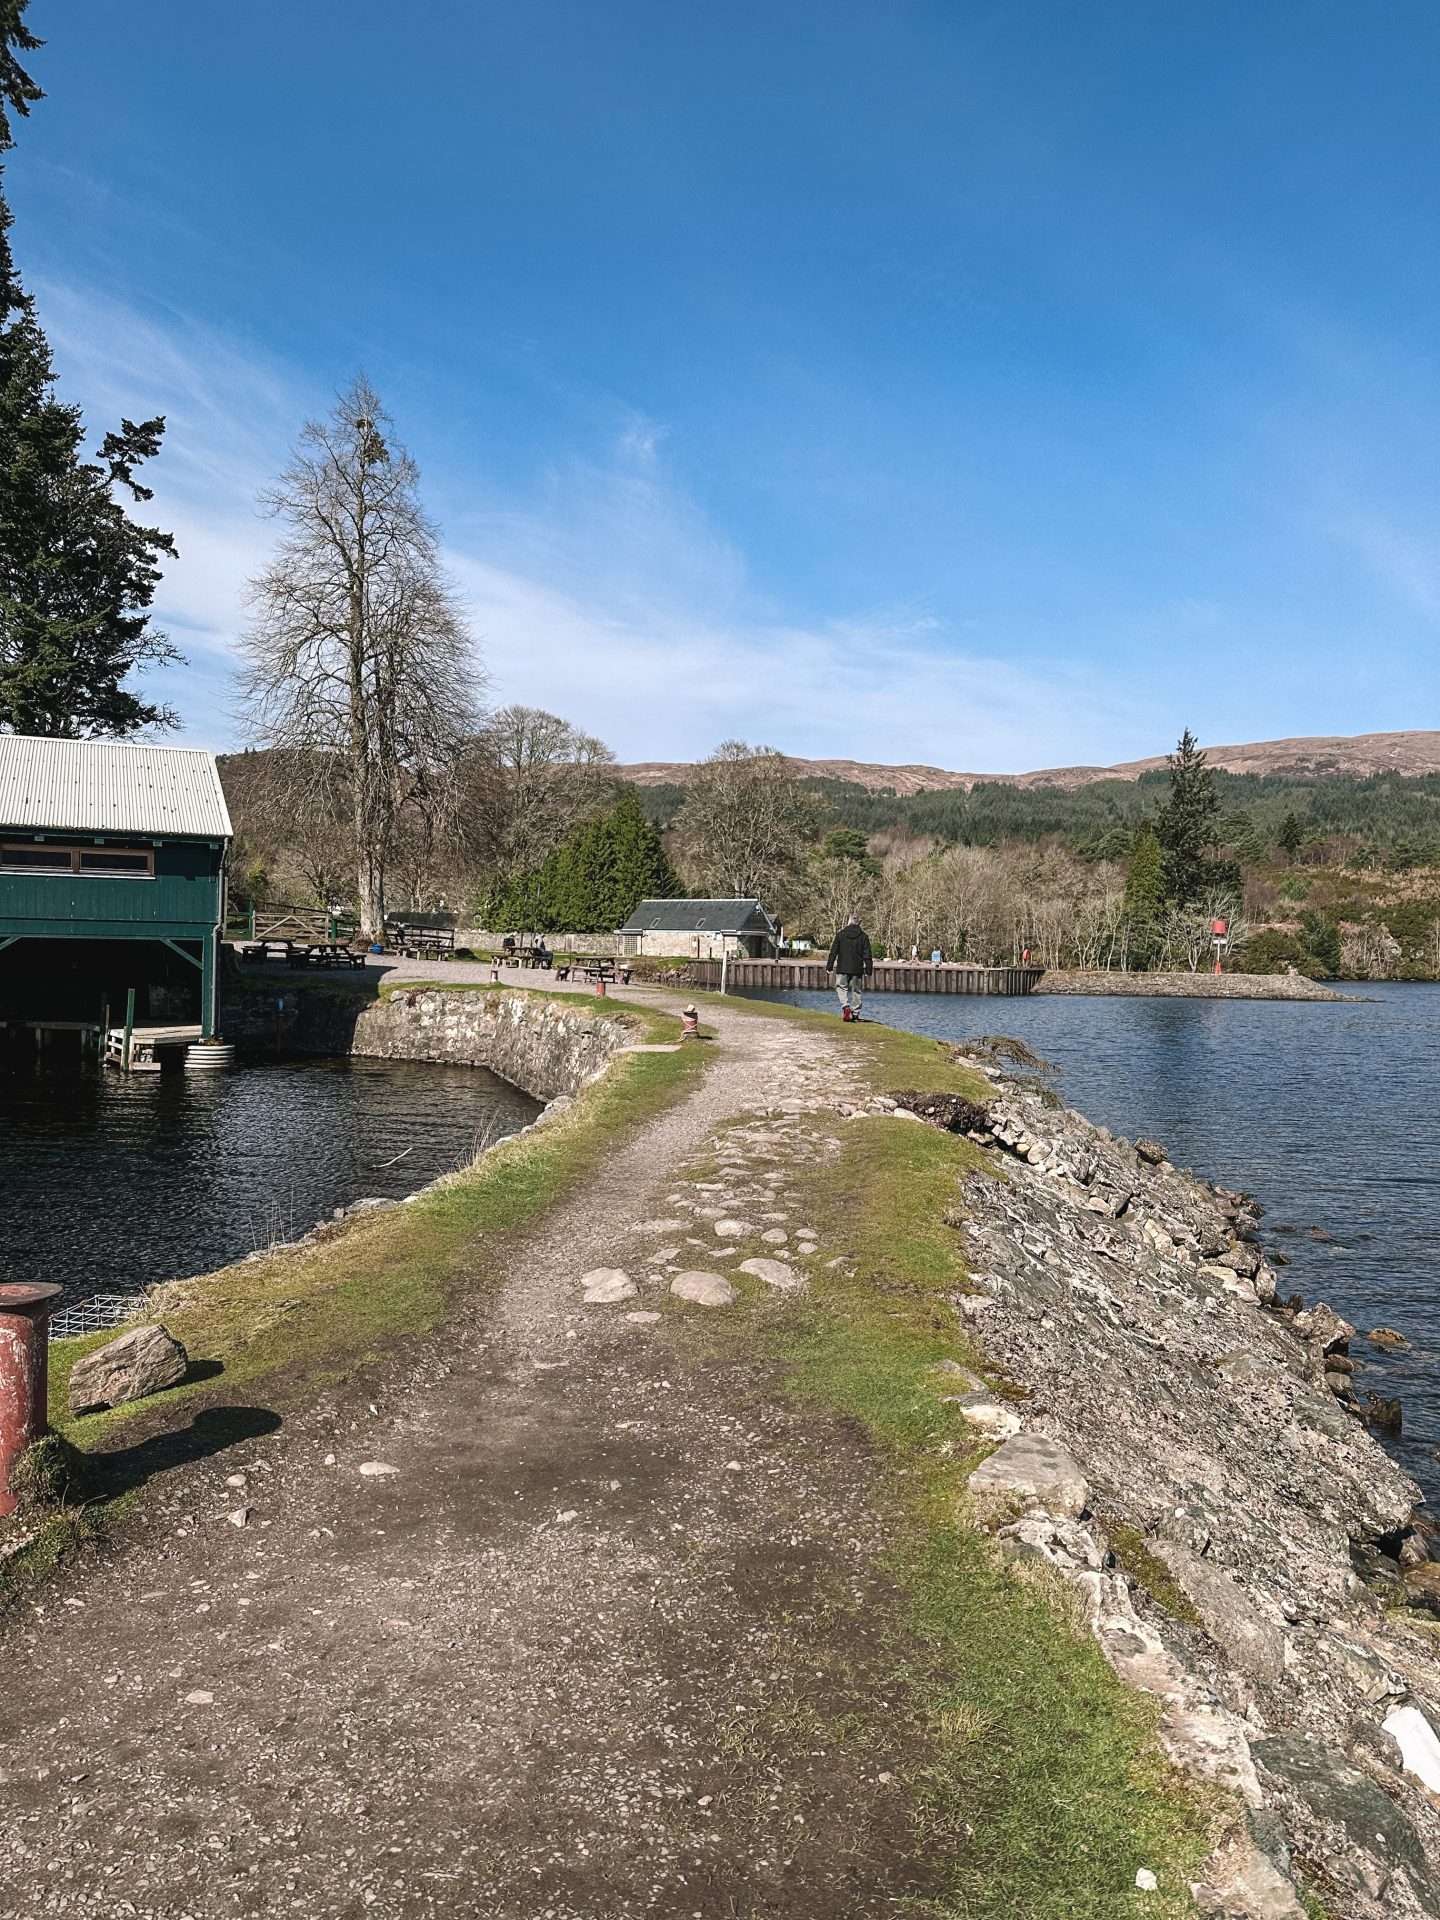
column 900, row 977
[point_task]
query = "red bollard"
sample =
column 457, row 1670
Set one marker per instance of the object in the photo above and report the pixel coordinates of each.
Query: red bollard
column 24, row 1372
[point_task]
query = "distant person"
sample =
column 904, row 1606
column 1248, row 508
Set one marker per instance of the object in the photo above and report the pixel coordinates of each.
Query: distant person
column 1024, row 957
column 850, row 961
column 540, row 954
column 936, row 956
column 508, row 945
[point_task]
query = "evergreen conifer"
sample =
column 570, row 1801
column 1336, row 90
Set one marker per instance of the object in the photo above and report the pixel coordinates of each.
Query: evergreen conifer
column 1186, row 825
column 1145, row 883
column 593, row 881
column 77, row 576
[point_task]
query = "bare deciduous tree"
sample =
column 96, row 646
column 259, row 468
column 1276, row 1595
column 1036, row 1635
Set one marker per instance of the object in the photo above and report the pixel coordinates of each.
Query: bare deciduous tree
column 550, row 777
column 358, row 652
column 746, row 824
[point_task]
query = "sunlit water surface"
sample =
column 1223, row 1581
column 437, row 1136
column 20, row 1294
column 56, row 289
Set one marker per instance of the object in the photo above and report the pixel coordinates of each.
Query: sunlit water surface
column 109, row 1182
column 1329, row 1113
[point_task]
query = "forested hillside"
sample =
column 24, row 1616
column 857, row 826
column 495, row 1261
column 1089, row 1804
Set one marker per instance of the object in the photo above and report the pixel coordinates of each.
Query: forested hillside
column 1386, row 816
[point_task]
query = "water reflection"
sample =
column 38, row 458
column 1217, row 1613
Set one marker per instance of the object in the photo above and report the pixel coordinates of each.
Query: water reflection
column 109, row 1182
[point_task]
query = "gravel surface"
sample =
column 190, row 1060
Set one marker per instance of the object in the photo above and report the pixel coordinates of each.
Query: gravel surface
column 582, row 1653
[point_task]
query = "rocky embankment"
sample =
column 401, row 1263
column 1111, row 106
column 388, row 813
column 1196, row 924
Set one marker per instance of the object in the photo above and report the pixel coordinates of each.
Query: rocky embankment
column 1190, row 1453
column 1190, row 986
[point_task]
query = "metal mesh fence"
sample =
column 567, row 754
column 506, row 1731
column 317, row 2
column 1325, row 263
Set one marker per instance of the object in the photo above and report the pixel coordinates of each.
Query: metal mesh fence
column 94, row 1315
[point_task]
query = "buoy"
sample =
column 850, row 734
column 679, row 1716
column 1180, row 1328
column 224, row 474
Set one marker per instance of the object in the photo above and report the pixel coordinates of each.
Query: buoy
column 209, row 1056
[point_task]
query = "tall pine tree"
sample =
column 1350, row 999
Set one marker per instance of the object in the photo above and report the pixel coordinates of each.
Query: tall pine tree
column 77, row 575
column 1186, row 825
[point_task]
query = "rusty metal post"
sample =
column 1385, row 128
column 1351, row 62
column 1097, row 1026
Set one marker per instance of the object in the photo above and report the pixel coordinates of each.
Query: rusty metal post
column 24, row 1372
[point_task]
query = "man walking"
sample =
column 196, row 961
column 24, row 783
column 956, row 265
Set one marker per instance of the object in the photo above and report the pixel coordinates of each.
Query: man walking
column 850, row 960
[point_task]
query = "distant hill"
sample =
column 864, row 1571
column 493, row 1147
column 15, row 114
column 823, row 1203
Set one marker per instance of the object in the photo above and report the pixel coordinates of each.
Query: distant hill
column 1355, row 756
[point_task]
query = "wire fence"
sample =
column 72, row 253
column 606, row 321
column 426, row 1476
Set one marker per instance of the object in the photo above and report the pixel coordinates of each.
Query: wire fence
column 94, row 1315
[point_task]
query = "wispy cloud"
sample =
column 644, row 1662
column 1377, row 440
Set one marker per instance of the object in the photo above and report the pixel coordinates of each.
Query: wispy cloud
column 606, row 593
column 1405, row 562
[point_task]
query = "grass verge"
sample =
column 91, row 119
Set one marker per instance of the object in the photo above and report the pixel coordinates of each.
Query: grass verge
column 280, row 1328
column 1037, row 1778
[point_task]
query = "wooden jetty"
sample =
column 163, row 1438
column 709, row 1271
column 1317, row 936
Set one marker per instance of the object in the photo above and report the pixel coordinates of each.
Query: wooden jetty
column 87, row 1032
column 889, row 977
column 143, row 1049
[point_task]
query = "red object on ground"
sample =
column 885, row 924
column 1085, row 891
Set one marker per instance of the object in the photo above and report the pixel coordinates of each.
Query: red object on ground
column 24, row 1372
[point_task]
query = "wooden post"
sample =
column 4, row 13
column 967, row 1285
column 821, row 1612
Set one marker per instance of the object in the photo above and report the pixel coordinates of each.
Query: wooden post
column 104, row 1025
column 724, row 966
column 129, row 1029
column 208, row 983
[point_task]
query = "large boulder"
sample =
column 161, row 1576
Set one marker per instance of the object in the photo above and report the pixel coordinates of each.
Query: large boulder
column 1029, row 1470
column 137, row 1362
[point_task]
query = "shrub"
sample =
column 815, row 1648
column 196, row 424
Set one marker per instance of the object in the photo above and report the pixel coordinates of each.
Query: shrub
column 1271, row 951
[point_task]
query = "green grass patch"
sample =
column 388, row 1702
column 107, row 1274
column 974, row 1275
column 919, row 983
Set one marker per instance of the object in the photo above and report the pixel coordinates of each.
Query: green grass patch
column 377, row 1281
column 1149, row 1571
column 1038, row 1781
column 276, row 1329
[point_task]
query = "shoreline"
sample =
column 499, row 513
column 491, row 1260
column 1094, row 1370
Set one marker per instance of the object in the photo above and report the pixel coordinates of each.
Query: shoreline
column 1276, row 1588
column 1189, row 986
column 1087, row 1336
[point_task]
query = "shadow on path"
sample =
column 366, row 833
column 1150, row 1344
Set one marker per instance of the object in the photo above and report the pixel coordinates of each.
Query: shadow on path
column 211, row 1431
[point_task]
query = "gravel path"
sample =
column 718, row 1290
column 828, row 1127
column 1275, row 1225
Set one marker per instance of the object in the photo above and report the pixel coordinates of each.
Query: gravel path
column 606, row 1642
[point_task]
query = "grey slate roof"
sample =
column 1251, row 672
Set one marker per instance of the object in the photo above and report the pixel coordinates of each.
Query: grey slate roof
column 110, row 786
column 699, row 916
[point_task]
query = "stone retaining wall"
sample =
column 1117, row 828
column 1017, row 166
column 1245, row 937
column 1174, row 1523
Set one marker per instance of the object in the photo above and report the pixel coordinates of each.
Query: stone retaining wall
column 546, row 1049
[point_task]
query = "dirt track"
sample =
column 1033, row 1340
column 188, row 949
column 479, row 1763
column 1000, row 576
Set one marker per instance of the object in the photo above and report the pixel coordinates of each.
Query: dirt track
column 583, row 1654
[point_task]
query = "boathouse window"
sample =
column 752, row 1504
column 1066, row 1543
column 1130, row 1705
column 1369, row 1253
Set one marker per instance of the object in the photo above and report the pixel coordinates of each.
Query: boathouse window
column 37, row 857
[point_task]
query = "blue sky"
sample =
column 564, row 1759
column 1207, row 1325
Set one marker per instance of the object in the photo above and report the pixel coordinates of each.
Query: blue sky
column 989, row 385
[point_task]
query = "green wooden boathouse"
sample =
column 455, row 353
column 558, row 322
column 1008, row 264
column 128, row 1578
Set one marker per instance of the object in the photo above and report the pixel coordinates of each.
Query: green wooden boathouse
column 112, row 877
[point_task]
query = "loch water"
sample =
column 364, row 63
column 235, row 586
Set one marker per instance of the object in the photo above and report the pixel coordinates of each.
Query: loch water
column 110, row 1182
column 1328, row 1112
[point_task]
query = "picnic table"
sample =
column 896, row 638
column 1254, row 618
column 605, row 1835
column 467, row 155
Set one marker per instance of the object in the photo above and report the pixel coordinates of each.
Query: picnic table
column 302, row 953
column 595, row 968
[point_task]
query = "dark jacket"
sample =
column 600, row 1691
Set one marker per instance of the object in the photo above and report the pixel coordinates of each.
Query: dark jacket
column 851, row 952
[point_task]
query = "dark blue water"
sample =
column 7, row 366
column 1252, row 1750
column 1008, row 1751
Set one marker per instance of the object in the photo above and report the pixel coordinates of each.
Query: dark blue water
column 109, row 1182
column 1328, row 1113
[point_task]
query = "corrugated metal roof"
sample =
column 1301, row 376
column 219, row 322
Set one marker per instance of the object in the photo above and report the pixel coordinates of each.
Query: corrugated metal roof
column 695, row 916
column 110, row 786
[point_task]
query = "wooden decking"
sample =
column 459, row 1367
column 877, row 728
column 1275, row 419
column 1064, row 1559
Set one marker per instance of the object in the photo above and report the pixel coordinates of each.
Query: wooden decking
column 147, row 1044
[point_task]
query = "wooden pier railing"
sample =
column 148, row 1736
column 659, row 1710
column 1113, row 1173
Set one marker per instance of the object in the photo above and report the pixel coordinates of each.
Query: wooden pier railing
column 888, row 977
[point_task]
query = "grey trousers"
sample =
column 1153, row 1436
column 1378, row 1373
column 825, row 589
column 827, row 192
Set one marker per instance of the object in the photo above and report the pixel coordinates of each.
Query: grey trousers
column 850, row 989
